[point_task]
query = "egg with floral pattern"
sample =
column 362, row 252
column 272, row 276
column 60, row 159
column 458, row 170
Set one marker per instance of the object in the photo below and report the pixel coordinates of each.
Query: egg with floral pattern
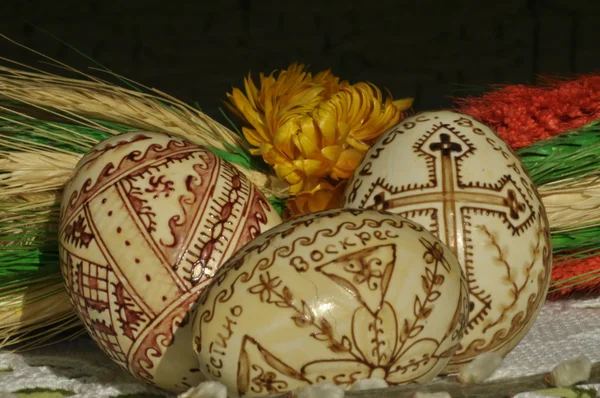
column 334, row 296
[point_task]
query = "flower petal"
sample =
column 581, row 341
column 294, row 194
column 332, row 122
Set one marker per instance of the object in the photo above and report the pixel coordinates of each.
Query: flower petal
column 292, row 175
column 347, row 163
column 253, row 136
column 246, row 108
column 313, row 129
column 332, row 152
column 311, row 167
column 321, row 200
column 403, row 103
column 318, row 195
column 308, row 140
column 273, row 156
column 326, row 118
column 251, row 91
column 284, row 138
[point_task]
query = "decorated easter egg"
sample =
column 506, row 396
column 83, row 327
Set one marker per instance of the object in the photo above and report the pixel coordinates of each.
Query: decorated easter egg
column 456, row 177
column 146, row 220
column 335, row 296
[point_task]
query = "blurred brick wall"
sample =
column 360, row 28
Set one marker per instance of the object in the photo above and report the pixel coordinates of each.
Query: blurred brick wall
column 429, row 49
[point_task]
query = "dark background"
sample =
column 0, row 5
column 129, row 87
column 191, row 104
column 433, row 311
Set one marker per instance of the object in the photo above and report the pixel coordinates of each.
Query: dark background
column 428, row 49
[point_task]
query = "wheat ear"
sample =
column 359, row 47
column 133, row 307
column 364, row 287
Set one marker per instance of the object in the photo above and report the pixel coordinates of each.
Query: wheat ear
column 572, row 204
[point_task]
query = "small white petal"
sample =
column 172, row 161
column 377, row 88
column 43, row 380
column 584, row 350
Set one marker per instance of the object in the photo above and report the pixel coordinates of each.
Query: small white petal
column 321, row 390
column 207, row 389
column 572, row 371
column 480, row 368
column 369, row 384
column 441, row 394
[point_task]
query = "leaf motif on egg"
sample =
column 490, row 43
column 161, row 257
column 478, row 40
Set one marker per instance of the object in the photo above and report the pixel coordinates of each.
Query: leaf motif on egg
column 459, row 179
column 371, row 319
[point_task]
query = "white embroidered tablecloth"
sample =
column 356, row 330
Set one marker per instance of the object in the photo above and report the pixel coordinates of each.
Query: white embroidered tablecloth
column 564, row 330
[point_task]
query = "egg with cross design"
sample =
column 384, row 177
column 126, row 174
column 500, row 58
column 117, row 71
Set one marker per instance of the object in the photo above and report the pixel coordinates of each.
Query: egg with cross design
column 455, row 176
column 146, row 220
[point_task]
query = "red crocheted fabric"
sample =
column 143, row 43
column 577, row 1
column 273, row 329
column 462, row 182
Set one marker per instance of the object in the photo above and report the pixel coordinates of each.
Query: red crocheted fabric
column 522, row 115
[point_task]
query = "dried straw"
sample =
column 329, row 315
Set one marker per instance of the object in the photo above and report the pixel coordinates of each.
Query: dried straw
column 101, row 101
column 86, row 101
column 34, row 306
column 83, row 102
column 35, row 312
column 572, row 205
column 26, row 172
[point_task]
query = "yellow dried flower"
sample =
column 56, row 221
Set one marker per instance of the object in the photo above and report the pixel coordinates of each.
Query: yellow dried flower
column 313, row 130
column 323, row 196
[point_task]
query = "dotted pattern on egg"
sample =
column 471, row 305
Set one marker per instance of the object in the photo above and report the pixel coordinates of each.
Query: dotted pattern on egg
column 145, row 222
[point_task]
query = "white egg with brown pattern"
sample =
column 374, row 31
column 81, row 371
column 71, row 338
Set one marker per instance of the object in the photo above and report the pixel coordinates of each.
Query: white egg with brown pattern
column 146, row 220
column 455, row 176
column 335, row 296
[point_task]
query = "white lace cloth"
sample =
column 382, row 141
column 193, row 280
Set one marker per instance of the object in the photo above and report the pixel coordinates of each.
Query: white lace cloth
column 562, row 331
column 77, row 366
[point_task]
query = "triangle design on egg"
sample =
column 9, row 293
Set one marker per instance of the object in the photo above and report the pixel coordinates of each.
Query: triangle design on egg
column 365, row 273
column 446, row 140
column 259, row 371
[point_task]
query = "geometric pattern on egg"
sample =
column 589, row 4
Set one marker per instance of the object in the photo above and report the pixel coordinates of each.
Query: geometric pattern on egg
column 146, row 220
column 455, row 176
column 335, row 296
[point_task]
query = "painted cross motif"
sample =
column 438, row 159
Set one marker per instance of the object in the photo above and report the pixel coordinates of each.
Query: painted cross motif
column 457, row 178
column 512, row 202
column 447, row 149
column 444, row 150
column 445, row 146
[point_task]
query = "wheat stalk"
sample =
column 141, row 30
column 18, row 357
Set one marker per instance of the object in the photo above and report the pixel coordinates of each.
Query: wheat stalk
column 32, row 203
column 572, row 204
column 34, row 305
column 80, row 101
column 35, row 312
column 102, row 101
column 20, row 214
column 12, row 307
column 26, row 172
column 83, row 101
